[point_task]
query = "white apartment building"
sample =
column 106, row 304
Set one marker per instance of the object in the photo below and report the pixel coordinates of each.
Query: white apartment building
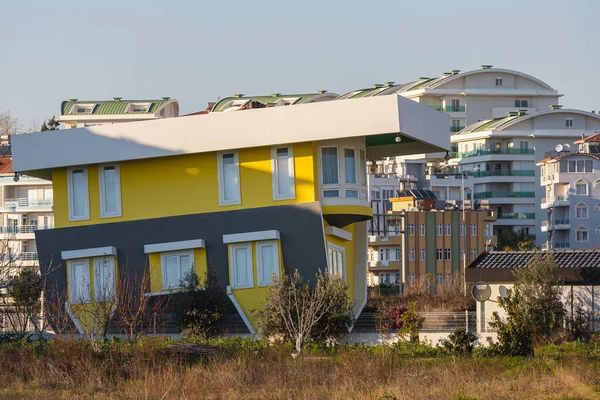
column 571, row 179
column 76, row 113
column 500, row 155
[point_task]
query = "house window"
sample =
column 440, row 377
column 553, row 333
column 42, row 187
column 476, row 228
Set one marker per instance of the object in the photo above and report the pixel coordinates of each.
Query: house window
column 411, row 254
column 582, row 234
column 439, row 256
column 267, row 261
column 440, row 279
column 240, row 258
column 524, row 145
column 473, row 254
column 421, row 229
column 581, row 211
column 397, row 254
column 104, row 278
column 486, row 230
column 448, row 230
column 462, row 229
column 79, row 281
column 329, row 161
column 411, row 279
column 473, row 230
column 569, row 122
column 597, row 207
column 336, row 259
column 498, row 81
column 283, row 173
column 176, row 267
column 411, row 229
column 438, row 230
column 350, row 165
column 387, row 254
column 421, row 254
column 521, row 103
column 229, row 178
column 110, row 191
column 79, row 205
column 582, row 188
column 447, row 254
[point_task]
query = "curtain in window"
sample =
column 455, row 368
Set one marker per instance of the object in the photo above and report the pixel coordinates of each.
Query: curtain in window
column 284, row 178
column 110, row 189
column 330, row 165
column 241, row 266
column 104, row 279
column 185, row 264
column 350, row 165
column 79, row 193
column 80, row 287
column 267, row 254
column 171, row 274
column 231, row 184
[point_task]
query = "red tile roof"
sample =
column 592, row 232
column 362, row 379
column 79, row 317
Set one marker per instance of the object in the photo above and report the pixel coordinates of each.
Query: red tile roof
column 6, row 165
column 574, row 153
column 593, row 138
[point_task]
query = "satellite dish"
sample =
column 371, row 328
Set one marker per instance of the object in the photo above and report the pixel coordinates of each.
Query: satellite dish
column 481, row 291
column 566, row 147
column 559, row 148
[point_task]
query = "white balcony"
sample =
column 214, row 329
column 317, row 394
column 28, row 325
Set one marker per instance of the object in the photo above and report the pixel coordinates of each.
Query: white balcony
column 557, row 201
column 22, row 232
column 24, row 204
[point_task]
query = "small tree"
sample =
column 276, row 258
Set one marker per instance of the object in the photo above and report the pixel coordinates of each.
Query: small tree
column 534, row 311
column 57, row 315
column 24, row 292
column 200, row 311
column 301, row 312
column 411, row 323
column 51, row 125
column 460, row 341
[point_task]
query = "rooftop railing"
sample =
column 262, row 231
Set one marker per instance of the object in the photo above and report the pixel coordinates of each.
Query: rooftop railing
column 487, row 152
column 22, row 229
column 505, row 215
column 26, row 202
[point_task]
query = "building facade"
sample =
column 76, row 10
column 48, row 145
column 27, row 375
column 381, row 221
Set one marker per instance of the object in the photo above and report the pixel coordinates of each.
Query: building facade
column 223, row 194
column 76, row 113
column 500, row 156
column 571, row 180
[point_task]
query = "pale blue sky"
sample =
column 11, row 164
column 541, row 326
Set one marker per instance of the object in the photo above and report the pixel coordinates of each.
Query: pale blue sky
column 196, row 51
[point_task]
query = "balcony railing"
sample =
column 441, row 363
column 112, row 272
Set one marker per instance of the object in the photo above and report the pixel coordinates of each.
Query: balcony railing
column 516, row 215
column 546, row 200
column 455, row 129
column 25, row 256
column 487, row 152
column 489, row 195
column 25, row 202
column 11, row 230
column 561, row 245
column 518, row 172
column 564, row 221
column 454, row 109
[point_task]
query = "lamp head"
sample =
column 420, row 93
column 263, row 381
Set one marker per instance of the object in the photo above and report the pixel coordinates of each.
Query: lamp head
column 398, row 139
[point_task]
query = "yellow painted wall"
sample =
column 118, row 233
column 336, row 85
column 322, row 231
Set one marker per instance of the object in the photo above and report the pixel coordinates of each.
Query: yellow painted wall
column 349, row 248
column 188, row 184
column 154, row 262
column 251, row 299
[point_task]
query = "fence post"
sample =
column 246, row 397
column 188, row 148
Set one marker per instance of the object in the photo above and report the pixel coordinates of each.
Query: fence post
column 467, row 320
column 154, row 324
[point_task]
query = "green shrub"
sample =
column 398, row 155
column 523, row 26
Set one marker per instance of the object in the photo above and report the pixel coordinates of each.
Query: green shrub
column 411, row 321
column 460, row 341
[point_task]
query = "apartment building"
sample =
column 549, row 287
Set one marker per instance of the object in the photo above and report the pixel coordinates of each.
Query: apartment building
column 239, row 101
column 76, row 113
column 500, row 156
column 224, row 194
column 571, row 180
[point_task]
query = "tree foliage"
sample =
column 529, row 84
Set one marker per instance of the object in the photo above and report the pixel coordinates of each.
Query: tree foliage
column 300, row 312
column 534, row 310
column 200, row 311
column 410, row 323
column 50, row 125
column 512, row 241
column 8, row 124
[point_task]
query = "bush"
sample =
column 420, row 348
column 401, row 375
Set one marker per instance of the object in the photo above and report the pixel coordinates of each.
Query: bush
column 411, row 321
column 303, row 313
column 200, row 311
column 460, row 341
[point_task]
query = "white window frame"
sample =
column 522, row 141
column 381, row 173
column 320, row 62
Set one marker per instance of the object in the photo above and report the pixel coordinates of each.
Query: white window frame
column 266, row 280
column 86, row 215
column 583, row 183
column 103, row 212
column 439, row 230
column 473, row 254
column 422, row 254
column 163, row 270
column 335, row 248
column 422, row 231
column 275, row 174
column 233, row 266
column 448, row 254
column 587, row 236
column 221, row 182
column 339, row 167
column 72, row 289
column 569, row 122
column 499, row 81
column 448, row 230
column 582, row 206
column 111, row 279
column 462, row 229
column 411, row 254
column 439, row 254
column 473, row 229
column 411, row 229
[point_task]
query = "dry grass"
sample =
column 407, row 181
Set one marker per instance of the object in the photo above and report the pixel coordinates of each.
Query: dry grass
column 72, row 370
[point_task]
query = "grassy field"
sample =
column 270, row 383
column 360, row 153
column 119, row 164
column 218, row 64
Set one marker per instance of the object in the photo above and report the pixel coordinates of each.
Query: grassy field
column 252, row 370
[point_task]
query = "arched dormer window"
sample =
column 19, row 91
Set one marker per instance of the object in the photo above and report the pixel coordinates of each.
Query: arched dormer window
column 581, row 211
column 581, row 187
column 582, row 234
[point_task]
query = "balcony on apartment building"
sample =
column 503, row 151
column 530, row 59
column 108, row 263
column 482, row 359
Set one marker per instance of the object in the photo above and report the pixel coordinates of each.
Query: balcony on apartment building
column 556, row 201
column 25, row 259
column 21, row 232
column 385, row 265
column 391, row 239
column 26, row 204
column 492, row 152
column 557, row 246
column 499, row 197
column 557, row 224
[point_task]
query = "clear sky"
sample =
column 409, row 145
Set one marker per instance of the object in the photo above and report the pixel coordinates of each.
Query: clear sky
column 196, row 51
